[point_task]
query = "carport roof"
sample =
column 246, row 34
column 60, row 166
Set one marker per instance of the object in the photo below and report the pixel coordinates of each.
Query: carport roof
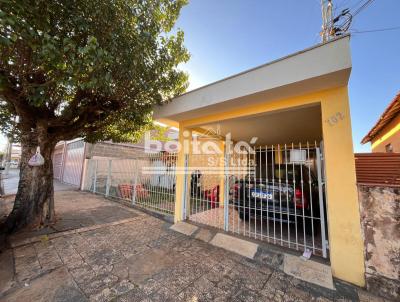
column 323, row 66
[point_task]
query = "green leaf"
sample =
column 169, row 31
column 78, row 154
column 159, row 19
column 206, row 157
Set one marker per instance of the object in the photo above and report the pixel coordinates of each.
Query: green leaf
column 104, row 63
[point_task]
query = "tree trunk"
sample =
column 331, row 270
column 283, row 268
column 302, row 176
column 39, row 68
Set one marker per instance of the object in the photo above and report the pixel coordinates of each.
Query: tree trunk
column 34, row 201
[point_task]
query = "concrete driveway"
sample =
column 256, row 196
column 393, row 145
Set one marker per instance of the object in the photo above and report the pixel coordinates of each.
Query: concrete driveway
column 100, row 250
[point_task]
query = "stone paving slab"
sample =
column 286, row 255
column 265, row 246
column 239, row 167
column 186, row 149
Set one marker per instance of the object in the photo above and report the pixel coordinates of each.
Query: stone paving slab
column 306, row 270
column 55, row 286
column 242, row 247
column 309, row 271
column 204, row 235
column 184, row 228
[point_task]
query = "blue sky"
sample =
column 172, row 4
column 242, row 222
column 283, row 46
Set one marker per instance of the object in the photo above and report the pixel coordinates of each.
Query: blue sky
column 225, row 37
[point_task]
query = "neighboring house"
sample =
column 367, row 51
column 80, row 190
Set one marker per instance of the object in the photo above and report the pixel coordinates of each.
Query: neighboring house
column 69, row 156
column 385, row 135
column 283, row 104
column 15, row 154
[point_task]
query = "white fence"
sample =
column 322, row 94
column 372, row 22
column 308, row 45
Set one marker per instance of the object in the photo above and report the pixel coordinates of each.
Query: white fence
column 147, row 181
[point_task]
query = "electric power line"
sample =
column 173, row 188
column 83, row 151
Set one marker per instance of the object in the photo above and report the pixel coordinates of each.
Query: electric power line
column 340, row 7
column 356, row 5
column 362, row 7
column 375, row 30
column 346, row 16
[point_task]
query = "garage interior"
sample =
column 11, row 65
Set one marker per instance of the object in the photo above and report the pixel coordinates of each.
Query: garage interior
column 275, row 193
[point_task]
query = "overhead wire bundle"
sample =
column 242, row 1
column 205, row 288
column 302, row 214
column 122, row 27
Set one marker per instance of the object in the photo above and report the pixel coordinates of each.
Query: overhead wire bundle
column 342, row 22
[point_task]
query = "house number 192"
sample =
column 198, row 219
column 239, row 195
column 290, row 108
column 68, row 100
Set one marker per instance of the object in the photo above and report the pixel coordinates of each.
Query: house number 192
column 336, row 118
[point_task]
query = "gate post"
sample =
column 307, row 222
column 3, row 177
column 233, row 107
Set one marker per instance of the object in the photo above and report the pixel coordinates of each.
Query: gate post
column 186, row 191
column 221, row 166
column 321, row 204
column 108, row 183
column 95, row 176
column 134, row 189
column 226, row 191
column 182, row 171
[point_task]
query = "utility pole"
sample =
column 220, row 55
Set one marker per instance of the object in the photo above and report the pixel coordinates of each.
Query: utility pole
column 327, row 20
column 8, row 155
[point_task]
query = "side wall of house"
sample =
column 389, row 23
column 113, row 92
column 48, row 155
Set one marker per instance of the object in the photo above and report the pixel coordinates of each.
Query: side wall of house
column 112, row 151
column 380, row 219
column 389, row 135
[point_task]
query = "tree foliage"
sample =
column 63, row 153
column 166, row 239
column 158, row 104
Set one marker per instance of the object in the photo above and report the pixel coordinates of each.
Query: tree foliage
column 81, row 68
column 88, row 68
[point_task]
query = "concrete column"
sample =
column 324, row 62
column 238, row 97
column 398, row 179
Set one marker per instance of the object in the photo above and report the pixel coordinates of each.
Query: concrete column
column 185, row 140
column 345, row 240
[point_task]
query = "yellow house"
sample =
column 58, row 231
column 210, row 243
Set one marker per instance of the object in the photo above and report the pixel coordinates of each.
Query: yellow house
column 385, row 134
column 296, row 184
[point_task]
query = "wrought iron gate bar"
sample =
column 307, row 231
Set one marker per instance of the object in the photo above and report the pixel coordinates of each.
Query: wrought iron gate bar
column 275, row 194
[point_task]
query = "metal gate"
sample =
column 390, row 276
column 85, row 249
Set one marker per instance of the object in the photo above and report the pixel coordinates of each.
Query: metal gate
column 58, row 163
column 147, row 181
column 274, row 193
column 73, row 163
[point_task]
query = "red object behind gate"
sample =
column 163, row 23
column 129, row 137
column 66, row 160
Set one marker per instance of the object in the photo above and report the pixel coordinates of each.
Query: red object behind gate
column 213, row 196
column 126, row 191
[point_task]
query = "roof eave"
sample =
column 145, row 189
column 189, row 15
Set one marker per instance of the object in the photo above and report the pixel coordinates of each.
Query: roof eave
column 379, row 125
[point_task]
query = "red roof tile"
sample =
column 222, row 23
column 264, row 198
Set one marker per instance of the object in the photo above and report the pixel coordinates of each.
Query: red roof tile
column 387, row 116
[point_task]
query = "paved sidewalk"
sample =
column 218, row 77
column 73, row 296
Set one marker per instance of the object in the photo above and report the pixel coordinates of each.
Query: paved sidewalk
column 10, row 183
column 126, row 255
column 7, row 201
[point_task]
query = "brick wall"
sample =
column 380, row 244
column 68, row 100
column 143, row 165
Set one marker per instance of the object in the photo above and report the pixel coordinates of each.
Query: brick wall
column 112, row 150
